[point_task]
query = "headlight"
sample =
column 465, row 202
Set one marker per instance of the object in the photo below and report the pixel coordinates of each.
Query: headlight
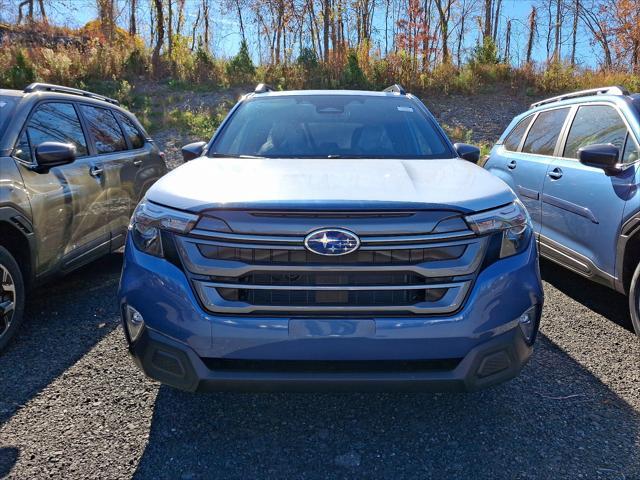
column 512, row 221
column 147, row 221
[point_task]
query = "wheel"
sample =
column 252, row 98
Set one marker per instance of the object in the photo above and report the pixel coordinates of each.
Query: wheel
column 634, row 300
column 11, row 297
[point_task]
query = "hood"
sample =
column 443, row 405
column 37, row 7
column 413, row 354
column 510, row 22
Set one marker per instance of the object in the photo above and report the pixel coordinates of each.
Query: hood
column 214, row 183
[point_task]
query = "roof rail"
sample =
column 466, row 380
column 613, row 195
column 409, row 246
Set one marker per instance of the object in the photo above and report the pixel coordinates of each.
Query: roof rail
column 583, row 93
column 264, row 88
column 395, row 88
column 49, row 87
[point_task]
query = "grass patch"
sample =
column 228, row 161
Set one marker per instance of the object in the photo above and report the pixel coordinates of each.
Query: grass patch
column 200, row 124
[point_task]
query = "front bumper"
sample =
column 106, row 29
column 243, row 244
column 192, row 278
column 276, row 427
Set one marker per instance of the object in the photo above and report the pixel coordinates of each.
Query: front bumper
column 175, row 364
column 184, row 346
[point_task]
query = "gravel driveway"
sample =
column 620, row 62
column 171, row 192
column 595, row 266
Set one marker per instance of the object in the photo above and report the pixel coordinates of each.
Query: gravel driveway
column 72, row 404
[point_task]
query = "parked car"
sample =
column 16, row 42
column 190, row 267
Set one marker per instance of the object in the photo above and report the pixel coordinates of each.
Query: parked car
column 73, row 166
column 573, row 162
column 330, row 240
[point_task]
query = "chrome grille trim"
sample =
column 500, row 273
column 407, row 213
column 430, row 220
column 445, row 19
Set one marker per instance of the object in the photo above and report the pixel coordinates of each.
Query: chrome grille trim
column 198, row 264
column 225, row 268
column 450, row 302
column 266, row 241
column 249, row 286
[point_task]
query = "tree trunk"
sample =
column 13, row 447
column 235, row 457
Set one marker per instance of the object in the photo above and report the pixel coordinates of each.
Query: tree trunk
column 488, row 8
column 240, row 20
column 132, row 18
column 574, row 33
column 558, row 31
column 194, row 31
column 496, row 21
column 170, row 29
column 532, row 33
column 205, row 14
column 507, row 42
column 159, row 35
column 326, row 14
column 43, row 14
column 460, row 40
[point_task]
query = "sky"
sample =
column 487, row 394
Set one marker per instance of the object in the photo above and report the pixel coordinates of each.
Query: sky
column 226, row 31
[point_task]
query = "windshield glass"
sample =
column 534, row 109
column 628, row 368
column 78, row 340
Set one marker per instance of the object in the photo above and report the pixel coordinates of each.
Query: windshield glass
column 7, row 104
column 330, row 126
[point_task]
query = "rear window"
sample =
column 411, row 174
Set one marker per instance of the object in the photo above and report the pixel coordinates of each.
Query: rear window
column 609, row 128
column 136, row 139
column 512, row 142
column 544, row 133
column 104, row 129
column 331, row 126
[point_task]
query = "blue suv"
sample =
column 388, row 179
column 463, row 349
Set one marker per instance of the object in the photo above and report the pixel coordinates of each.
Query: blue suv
column 573, row 162
column 330, row 240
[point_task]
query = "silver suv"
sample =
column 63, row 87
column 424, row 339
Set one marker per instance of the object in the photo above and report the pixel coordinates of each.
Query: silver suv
column 73, row 166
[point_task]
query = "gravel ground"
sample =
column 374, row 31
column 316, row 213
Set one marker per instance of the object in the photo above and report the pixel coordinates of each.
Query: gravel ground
column 73, row 405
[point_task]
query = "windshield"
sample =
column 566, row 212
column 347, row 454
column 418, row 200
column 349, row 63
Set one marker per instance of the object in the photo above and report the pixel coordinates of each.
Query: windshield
column 330, row 126
column 7, row 104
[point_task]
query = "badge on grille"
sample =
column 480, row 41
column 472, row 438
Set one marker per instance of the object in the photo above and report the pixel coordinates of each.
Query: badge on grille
column 332, row 241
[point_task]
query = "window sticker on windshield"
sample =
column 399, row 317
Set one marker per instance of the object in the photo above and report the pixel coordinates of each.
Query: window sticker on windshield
column 405, row 109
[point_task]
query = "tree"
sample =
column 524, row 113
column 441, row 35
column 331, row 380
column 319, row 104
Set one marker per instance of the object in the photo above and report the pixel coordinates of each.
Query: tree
column 155, row 57
column 444, row 15
column 626, row 32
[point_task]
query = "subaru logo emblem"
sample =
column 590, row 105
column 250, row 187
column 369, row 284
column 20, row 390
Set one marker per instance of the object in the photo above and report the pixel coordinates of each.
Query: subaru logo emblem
column 332, row 241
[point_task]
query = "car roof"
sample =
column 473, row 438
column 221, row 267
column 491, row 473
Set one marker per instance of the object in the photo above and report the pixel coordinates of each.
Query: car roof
column 11, row 93
column 362, row 93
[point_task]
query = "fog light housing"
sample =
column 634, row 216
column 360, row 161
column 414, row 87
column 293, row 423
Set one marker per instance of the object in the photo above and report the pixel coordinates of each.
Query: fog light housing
column 528, row 322
column 134, row 322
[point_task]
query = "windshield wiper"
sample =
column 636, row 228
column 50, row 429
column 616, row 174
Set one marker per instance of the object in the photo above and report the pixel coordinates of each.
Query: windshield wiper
column 231, row 155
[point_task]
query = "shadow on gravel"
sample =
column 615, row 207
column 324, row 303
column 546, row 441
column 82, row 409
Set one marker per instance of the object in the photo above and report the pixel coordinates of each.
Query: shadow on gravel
column 64, row 319
column 555, row 420
column 8, row 458
column 602, row 300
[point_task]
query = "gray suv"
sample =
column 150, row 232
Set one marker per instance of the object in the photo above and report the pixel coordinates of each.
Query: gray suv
column 73, row 166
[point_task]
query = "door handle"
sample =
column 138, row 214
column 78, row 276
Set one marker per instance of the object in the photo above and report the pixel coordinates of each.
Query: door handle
column 137, row 163
column 95, row 171
column 556, row 173
column 511, row 165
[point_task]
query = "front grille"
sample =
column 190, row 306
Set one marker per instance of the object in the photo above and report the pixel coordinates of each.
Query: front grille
column 331, row 366
column 374, row 257
column 337, row 297
column 417, row 273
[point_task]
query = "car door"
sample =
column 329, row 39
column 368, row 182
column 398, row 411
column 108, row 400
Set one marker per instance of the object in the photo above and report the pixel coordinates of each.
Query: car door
column 526, row 154
column 582, row 205
column 146, row 163
column 68, row 202
column 112, row 150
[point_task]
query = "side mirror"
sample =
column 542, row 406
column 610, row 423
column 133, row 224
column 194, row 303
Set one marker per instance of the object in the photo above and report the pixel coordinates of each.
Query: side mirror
column 193, row 150
column 54, row 154
column 602, row 155
column 467, row 152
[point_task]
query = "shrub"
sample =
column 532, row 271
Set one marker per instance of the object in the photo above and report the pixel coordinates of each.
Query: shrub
column 485, row 53
column 240, row 69
column 558, row 77
column 21, row 73
column 352, row 75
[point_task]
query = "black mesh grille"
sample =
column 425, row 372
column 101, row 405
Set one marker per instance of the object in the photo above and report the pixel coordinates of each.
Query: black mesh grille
column 335, row 366
column 292, row 279
column 367, row 257
column 364, row 298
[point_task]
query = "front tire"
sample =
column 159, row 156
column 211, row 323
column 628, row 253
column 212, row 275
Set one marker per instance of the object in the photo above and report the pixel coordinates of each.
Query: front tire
column 12, row 295
column 634, row 300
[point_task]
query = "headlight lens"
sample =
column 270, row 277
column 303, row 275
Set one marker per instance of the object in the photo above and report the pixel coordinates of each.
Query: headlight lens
column 512, row 221
column 147, row 221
